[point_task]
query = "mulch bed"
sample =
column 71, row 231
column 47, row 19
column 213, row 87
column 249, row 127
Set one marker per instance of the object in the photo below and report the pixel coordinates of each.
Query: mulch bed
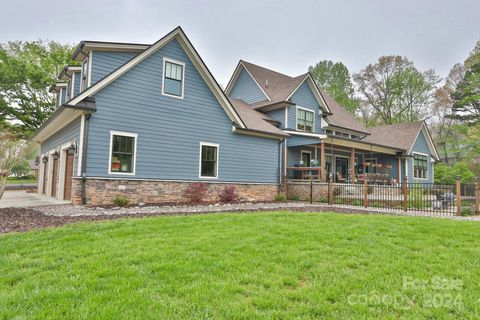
column 25, row 219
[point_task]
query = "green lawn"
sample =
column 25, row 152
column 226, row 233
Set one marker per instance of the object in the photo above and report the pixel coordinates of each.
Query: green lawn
column 279, row 265
column 12, row 180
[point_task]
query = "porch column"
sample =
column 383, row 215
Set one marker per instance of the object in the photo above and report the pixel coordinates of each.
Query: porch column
column 322, row 162
column 352, row 165
column 399, row 171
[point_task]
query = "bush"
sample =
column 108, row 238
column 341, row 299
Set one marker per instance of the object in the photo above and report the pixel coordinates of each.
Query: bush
column 280, row 197
column 324, row 199
column 467, row 212
column 294, row 198
column 196, row 192
column 228, row 195
column 121, row 201
column 357, row 202
column 447, row 175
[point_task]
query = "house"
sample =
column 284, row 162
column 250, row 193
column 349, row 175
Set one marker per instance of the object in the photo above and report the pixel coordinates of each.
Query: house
column 147, row 120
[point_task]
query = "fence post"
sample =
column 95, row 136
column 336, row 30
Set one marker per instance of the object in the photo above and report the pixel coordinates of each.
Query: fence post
column 311, row 190
column 405, row 193
column 365, row 193
column 458, row 199
column 477, row 196
column 330, row 189
column 286, row 184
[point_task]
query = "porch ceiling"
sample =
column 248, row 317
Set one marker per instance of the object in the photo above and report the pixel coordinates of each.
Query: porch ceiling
column 362, row 146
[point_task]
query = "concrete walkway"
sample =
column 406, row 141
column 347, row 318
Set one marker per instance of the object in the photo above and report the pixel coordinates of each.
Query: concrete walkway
column 24, row 199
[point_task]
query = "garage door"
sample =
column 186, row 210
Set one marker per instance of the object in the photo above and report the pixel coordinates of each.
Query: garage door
column 67, row 195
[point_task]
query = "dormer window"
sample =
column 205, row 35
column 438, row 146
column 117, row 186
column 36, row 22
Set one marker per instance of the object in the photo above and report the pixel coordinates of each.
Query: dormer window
column 84, row 82
column 305, row 119
column 173, row 76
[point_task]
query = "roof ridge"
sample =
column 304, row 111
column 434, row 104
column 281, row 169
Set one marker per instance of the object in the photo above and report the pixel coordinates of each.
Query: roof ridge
column 270, row 70
column 397, row 124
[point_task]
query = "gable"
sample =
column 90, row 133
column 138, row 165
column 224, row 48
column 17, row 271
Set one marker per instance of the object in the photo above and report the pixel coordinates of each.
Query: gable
column 303, row 96
column 424, row 144
column 246, row 89
column 185, row 43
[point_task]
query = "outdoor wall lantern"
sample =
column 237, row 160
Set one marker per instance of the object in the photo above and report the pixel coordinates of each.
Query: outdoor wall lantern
column 73, row 147
column 55, row 155
column 45, row 159
column 37, row 160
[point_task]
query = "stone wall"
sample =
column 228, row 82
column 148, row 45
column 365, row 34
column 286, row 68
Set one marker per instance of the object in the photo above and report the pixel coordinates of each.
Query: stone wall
column 104, row 191
column 301, row 191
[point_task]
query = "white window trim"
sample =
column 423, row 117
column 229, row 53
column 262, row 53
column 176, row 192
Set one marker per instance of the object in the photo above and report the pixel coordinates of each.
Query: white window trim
column 296, row 118
column 413, row 166
column 134, row 164
column 165, row 60
column 200, row 160
column 306, row 151
column 60, row 93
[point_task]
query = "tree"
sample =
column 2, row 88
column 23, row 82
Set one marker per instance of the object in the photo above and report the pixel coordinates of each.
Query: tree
column 447, row 175
column 27, row 69
column 446, row 131
column 395, row 90
column 11, row 151
column 336, row 80
column 466, row 97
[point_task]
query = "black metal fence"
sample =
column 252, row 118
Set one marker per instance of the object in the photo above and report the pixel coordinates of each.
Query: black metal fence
column 457, row 199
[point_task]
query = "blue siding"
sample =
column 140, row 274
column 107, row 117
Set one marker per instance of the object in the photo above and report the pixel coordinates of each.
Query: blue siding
column 76, row 83
column 278, row 115
column 294, row 154
column 170, row 129
column 304, row 97
column 67, row 133
column 421, row 146
column 246, row 89
column 301, row 140
column 104, row 62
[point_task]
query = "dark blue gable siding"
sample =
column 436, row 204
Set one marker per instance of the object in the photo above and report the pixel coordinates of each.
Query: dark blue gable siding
column 104, row 62
column 304, row 97
column 421, row 146
column 246, row 89
column 170, row 130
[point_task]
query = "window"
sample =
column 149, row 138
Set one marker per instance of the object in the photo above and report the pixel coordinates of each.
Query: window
column 338, row 133
column 122, row 152
column 420, row 166
column 305, row 120
column 208, row 160
column 173, row 74
column 329, row 132
column 84, row 82
column 355, row 137
column 69, row 89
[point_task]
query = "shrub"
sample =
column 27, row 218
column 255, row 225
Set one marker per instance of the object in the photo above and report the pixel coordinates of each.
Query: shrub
column 294, row 198
column 324, row 199
column 466, row 212
column 357, row 202
column 196, row 192
column 280, row 197
column 121, row 201
column 228, row 195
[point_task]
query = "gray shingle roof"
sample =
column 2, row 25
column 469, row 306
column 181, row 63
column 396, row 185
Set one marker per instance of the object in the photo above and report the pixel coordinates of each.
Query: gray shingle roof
column 341, row 117
column 401, row 135
column 255, row 120
column 276, row 85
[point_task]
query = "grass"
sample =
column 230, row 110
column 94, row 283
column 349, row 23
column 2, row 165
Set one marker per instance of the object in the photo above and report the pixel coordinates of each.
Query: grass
column 13, row 180
column 278, row 265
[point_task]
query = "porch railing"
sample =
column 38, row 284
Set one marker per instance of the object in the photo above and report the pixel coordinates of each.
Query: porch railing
column 456, row 199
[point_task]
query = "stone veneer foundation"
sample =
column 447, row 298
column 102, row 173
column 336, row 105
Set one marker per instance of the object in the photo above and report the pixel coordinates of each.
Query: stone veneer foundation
column 104, row 191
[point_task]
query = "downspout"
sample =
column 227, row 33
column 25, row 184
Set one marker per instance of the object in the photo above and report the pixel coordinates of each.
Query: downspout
column 280, row 161
column 84, row 160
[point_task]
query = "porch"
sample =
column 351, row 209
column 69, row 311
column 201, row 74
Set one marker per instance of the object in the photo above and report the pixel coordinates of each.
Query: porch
column 345, row 161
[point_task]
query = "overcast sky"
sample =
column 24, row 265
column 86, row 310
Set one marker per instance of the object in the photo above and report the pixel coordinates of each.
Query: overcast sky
column 286, row 36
